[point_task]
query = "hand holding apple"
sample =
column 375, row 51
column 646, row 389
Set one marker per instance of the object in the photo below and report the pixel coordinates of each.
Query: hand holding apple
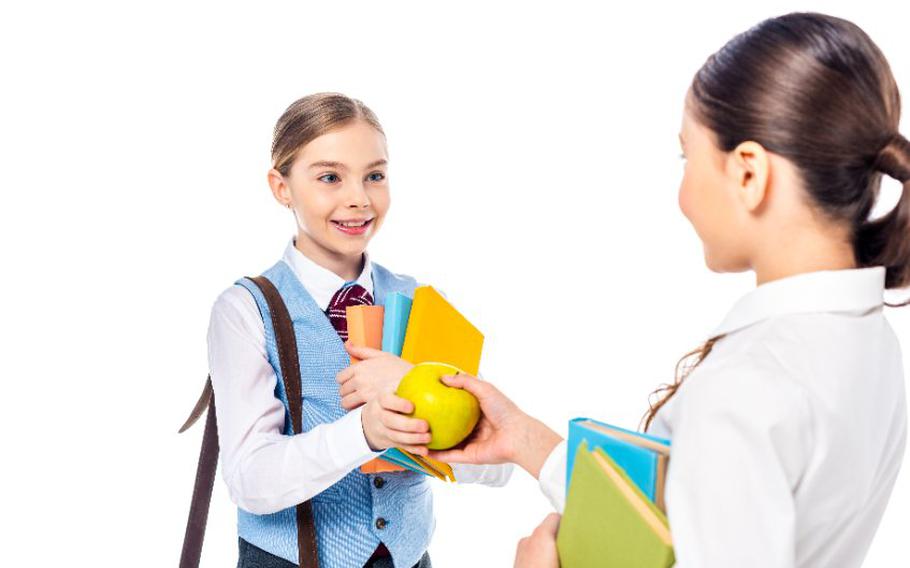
column 503, row 434
column 450, row 412
column 386, row 425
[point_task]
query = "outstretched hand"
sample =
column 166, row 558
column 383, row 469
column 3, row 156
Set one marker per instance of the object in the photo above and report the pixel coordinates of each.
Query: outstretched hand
column 503, row 434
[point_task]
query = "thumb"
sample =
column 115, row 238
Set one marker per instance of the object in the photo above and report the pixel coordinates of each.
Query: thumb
column 361, row 352
column 485, row 392
column 550, row 525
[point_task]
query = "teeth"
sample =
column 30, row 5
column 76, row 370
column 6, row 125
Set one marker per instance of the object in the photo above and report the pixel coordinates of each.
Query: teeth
column 349, row 224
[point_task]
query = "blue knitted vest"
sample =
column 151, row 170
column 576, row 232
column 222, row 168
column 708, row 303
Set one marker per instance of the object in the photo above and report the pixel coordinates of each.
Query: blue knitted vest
column 346, row 513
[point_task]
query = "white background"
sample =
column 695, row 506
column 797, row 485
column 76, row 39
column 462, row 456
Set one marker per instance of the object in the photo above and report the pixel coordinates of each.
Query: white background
column 534, row 167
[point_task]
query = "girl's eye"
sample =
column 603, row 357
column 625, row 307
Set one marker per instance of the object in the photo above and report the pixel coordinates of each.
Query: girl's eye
column 376, row 176
column 329, row 178
column 682, row 157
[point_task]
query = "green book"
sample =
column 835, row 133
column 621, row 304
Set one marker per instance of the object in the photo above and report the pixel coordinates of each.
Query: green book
column 608, row 521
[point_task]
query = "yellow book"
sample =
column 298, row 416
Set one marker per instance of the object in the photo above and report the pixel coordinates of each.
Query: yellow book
column 437, row 332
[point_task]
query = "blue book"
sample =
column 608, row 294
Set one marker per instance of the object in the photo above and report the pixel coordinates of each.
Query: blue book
column 397, row 308
column 644, row 458
column 396, row 314
column 398, row 457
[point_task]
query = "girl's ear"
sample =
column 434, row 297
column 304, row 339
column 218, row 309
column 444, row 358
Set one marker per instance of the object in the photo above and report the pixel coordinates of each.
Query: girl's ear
column 280, row 189
column 749, row 168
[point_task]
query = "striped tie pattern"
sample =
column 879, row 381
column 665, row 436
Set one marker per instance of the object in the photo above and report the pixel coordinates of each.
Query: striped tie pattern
column 354, row 295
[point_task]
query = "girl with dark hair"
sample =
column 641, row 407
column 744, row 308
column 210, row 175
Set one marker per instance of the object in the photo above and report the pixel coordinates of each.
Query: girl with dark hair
column 789, row 424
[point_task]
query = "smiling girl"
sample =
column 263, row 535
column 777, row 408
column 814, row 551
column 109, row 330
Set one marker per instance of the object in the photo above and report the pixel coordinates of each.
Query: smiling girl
column 330, row 170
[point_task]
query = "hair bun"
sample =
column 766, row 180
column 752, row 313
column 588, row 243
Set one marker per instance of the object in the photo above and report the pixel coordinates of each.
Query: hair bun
column 894, row 159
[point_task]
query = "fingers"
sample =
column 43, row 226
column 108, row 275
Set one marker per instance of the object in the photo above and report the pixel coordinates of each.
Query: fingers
column 347, row 388
column 345, row 375
column 399, row 439
column 363, row 353
column 401, row 423
column 451, row 456
column 396, row 404
column 352, row 401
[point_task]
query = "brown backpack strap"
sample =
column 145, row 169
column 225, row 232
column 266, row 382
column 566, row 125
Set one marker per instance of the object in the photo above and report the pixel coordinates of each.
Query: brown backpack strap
column 286, row 341
column 205, row 479
column 208, row 455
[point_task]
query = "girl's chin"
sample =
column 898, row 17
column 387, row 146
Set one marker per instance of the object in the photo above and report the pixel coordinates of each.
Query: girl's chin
column 349, row 249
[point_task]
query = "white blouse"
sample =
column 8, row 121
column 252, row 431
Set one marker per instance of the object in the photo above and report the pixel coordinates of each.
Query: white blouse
column 788, row 438
column 265, row 470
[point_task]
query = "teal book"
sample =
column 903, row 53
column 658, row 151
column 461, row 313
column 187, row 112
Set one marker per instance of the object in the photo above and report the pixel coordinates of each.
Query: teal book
column 608, row 522
column 396, row 456
column 395, row 322
column 642, row 457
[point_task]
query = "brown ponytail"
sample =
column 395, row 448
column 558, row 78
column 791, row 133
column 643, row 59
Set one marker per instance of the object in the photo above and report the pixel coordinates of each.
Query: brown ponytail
column 886, row 241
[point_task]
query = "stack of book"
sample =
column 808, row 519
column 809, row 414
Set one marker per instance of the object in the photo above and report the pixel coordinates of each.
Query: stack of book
column 615, row 513
column 425, row 329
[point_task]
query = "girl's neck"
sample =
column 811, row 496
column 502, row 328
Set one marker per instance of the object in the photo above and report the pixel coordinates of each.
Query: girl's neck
column 346, row 267
column 803, row 253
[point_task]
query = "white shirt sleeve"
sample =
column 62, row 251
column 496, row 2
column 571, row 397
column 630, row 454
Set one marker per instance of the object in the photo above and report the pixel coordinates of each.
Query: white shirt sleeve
column 265, row 470
column 741, row 442
column 492, row 475
column 552, row 477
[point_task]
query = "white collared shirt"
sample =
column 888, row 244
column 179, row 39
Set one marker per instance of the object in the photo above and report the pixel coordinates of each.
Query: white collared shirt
column 787, row 440
column 265, row 470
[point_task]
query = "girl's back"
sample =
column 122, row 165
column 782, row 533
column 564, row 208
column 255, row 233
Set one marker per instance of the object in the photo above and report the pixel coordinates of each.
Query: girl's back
column 804, row 398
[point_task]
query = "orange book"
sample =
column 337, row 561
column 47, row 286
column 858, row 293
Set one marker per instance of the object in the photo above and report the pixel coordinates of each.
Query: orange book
column 365, row 326
column 365, row 330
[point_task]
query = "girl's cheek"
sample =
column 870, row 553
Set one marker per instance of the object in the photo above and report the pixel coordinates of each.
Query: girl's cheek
column 685, row 198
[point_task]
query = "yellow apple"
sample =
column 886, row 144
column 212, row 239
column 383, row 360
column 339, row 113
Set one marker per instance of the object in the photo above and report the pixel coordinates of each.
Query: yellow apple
column 451, row 413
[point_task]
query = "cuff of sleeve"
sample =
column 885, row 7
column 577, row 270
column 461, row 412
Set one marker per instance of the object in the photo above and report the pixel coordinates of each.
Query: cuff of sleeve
column 552, row 477
column 491, row 475
column 349, row 444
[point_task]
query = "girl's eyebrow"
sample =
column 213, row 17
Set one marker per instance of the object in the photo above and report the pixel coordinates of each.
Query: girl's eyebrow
column 340, row 166
column 328, row 164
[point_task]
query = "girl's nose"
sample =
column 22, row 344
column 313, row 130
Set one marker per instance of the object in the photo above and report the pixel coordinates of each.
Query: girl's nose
column 357, row 196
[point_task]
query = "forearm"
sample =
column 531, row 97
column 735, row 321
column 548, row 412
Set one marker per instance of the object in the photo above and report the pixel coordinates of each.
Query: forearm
column 272, row 472
column 266, row 471
column 534, row 444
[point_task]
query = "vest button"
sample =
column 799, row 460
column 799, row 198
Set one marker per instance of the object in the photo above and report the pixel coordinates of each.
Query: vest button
column 380, row 523
column 378, row 482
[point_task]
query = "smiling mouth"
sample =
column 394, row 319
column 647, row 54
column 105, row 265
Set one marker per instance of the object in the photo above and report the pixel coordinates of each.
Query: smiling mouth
column 353, row 224
column 353, row 227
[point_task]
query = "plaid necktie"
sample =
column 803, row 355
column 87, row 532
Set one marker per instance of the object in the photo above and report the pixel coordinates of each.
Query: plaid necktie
column 354, row 295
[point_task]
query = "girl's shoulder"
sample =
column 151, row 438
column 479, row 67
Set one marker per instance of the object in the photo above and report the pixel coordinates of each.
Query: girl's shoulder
column 380, row 271
column 751, row 391
column 235, row 306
